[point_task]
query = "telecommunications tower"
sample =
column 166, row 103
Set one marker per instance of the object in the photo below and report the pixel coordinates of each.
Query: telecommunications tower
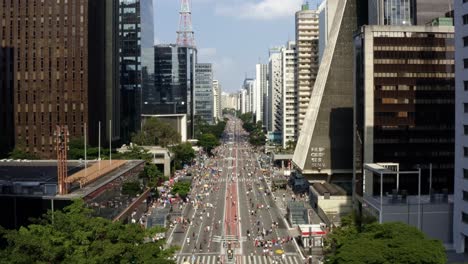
column 185, row 34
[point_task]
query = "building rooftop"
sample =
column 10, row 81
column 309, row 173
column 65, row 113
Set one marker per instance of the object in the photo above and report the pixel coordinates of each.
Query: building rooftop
column 332, row 189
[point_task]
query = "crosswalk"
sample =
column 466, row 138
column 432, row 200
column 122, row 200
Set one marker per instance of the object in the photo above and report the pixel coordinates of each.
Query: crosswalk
column 213, row 259
column 225, row 180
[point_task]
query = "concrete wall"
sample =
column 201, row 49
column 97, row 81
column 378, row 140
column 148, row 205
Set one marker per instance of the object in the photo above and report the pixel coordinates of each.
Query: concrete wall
column 436, row 219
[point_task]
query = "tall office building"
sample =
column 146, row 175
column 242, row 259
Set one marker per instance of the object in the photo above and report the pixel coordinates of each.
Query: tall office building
column 289, row 98
column 326, row 12
column 404, row 110
column 249, row 86
column 307, row 33
column 229, row 101
column 460, row 217
column 406, row 12
column 275, row 90
column 61, row 60
column 174, row 82
column 203, row 92
column 136, row 33
column 324, row 147
column 261, row 93
column 217, row 100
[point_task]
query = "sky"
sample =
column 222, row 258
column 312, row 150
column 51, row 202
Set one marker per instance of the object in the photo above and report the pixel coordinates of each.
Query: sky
column 234, row 35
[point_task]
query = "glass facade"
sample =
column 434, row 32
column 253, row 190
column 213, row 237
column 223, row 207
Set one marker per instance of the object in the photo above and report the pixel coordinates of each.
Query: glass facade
column 398, row 12
column 203, row 97
column 405, row 106
column 136, row 32
column 172, row 93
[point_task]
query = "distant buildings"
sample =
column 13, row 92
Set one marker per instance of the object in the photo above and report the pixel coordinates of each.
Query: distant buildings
column 217, row 101
column 261, row 93
column 136, row 37
column 56, row 70
column 275, row 91
column 460, row 218
column 203, row 92
column 174, row 82
column 307, row 33
column 229, row 101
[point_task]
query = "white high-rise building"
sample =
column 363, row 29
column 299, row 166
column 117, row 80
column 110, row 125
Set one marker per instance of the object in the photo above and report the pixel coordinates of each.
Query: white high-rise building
column 243, row 97
column 289, row 98
column 217, row 100
column 249, row 86
column 261, row 93
column 275, row 90
column 307, row 34
column 460, row 217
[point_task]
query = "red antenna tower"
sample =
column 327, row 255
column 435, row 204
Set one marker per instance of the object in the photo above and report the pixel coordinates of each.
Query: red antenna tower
column 185, row 34
column 61, row 140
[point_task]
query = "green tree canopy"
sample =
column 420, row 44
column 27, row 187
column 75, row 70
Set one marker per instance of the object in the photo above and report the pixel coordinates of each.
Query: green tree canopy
column 386, row 243
column 153, row 175
column 184, row 154
column 156, row 133
column 19, row 152
column 208, row 142
column 181, row 188
column 75, row 236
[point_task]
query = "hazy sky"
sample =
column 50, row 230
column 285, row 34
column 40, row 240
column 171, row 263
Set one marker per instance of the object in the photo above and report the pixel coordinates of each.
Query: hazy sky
column 234, row 35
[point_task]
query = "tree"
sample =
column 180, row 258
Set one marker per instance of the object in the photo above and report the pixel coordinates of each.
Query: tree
column 153, row 175
column 131, row 188
column 181, row 188
column 382, row 243
column 19, row 152
column 208, row 142
column 75, row 236
column 156, row 133
column 184, row 154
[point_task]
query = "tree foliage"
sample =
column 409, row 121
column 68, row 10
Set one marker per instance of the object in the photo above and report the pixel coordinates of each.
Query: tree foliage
column 19, row 152
column 208, row 142
column 74, row 236
column 382, row 243
column 184, row 154
column 202, row 127
column 181, row 188
column 156, row 133
column 153, row 175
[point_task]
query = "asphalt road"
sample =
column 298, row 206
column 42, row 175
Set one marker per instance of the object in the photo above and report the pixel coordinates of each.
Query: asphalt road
column 233, row 210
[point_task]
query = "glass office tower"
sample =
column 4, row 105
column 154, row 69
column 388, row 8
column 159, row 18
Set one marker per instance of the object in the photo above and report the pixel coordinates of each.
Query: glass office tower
column 136, row 31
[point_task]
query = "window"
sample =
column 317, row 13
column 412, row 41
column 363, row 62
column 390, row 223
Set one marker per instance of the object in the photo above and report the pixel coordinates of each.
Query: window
column 465, row 152
column 465, row 217
column 465, row 19
column 465, row 173
column 465, row 196
column 465, row 41
column 464, row 1
column 465, row 107
column 465, row 129
column 465, row 84
column 465, row 63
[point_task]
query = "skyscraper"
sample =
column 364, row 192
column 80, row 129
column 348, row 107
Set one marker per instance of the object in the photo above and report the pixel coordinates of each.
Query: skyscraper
column 460, row 217
column 174, row 82
column 324, row 147
column 289, row 98
column 275, row 90
column 404, row 110
column 307, row 33
column 65, row 67
column 261, row 93
column 203, row 92
column 136, row 27
column 217, row 100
